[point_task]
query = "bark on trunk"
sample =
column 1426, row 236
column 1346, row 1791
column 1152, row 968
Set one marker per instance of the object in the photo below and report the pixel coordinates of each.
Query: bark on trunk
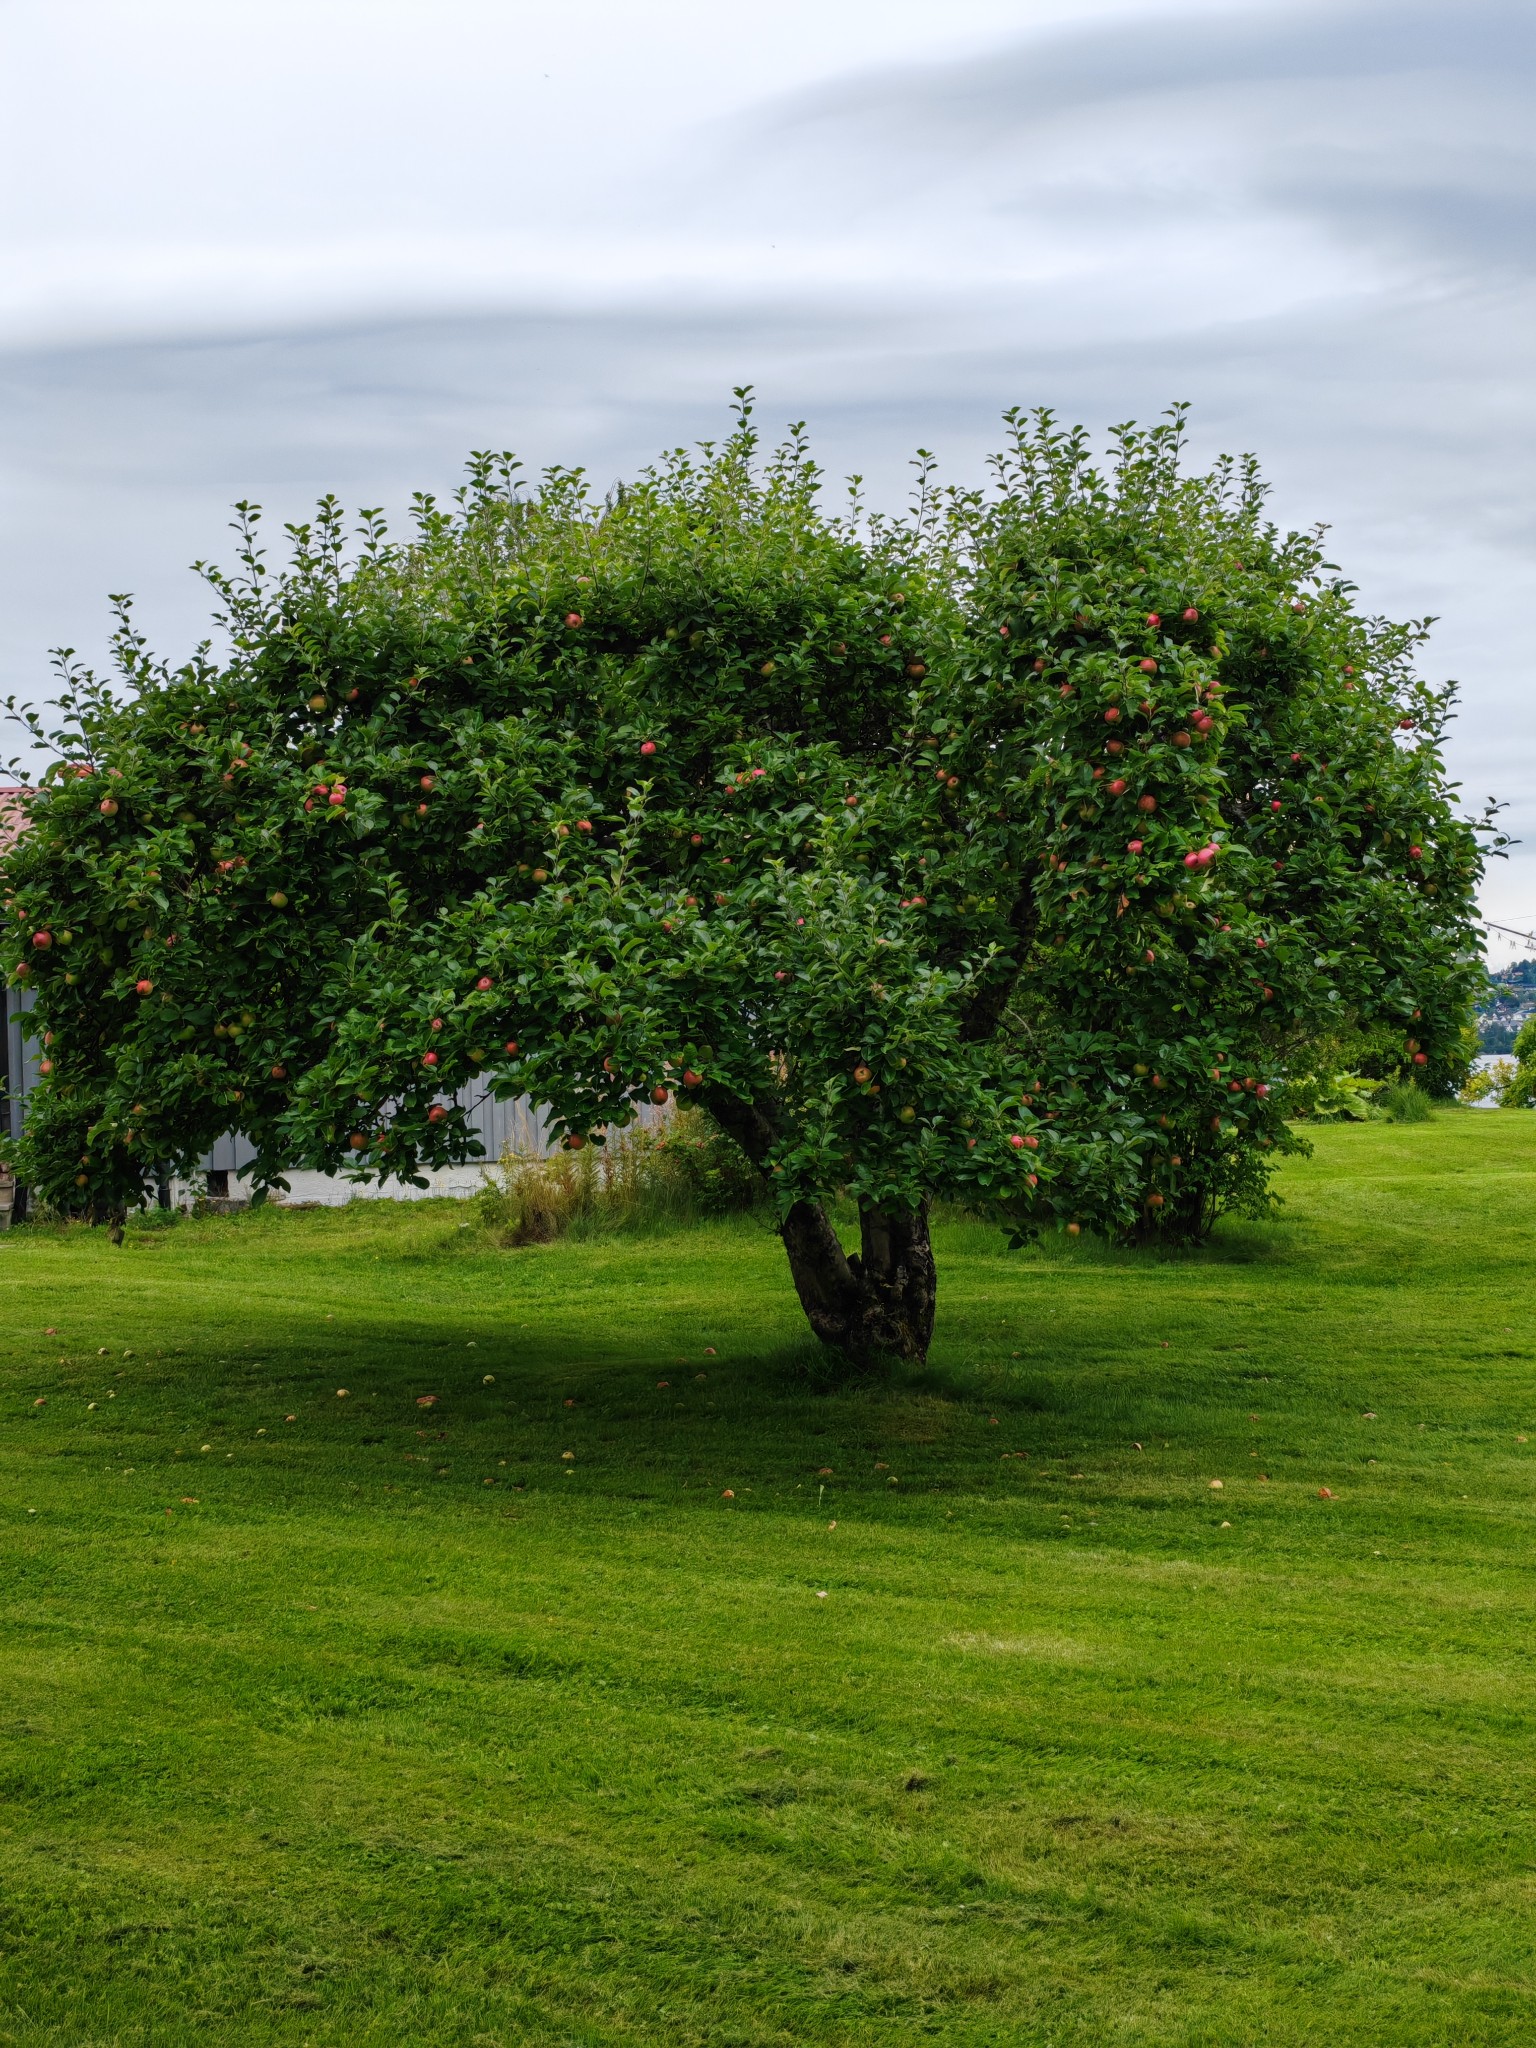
column 879, row 1300
column 876, row 1301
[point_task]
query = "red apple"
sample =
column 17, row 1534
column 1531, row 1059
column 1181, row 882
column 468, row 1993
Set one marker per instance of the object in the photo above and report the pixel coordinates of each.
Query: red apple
column 511, row 1045
column 1134, row 845
column 437, row 1023
column 583, row 824
column 42, row 940
column 1189, row 615
column 428, row 781
column 1415, row 853
column 647, row 747
column 108, row 807
column 573, row 618
column 429, row 1059
column 1039, row 664
column 1421, row 1059
column 1148, row 667
column 1274, row 803
column 1016, row 1142
column 145, row 988
column 1147, row 804
column 1153, row 619
column 484, row 982
column 1181, row 739
column 436, row 1113
column 358, row 1141
column 660, row 1096
column 1112, row 715
column 691, row 1079
column 279, row 1073
column 1117, row 787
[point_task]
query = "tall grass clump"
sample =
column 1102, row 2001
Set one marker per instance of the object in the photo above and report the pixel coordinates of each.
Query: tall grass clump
column 638, row 1179
column 1401, row 1102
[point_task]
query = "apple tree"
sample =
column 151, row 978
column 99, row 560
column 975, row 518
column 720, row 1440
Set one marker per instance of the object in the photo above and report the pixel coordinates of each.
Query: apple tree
column 1006, row 852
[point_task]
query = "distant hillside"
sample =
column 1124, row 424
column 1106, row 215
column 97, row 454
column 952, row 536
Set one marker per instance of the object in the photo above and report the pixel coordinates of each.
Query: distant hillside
column 1511, row 1000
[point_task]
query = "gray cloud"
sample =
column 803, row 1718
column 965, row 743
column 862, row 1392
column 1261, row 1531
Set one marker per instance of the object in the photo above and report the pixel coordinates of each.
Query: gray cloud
column 1315, row 225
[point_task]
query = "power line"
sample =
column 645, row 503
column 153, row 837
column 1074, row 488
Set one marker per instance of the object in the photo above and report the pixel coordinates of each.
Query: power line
column 1530, row 937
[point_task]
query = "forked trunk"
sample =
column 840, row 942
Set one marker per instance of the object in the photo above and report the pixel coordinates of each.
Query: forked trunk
column 878, row 1300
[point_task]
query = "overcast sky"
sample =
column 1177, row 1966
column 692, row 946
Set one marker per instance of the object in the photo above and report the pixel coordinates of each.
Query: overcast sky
column 310, row 244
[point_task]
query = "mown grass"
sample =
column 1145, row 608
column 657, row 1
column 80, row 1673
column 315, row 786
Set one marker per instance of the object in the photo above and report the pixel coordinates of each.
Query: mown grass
column 392, row 1724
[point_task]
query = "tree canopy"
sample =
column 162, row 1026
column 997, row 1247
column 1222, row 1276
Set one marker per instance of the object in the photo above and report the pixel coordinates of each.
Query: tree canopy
column 1010, row 850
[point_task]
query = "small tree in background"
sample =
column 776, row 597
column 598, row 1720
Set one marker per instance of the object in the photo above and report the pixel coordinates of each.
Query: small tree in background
column 1009, row 851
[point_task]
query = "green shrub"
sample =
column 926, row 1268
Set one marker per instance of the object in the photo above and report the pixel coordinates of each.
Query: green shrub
column 1332, row 1098
column 1520, row 1088
column 637, row 1179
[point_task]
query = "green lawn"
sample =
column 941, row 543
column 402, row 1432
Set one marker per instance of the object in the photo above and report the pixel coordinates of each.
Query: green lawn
column 960, row 1706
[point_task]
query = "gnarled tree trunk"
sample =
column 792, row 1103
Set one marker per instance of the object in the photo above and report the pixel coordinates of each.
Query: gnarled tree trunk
column 878, row 1300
